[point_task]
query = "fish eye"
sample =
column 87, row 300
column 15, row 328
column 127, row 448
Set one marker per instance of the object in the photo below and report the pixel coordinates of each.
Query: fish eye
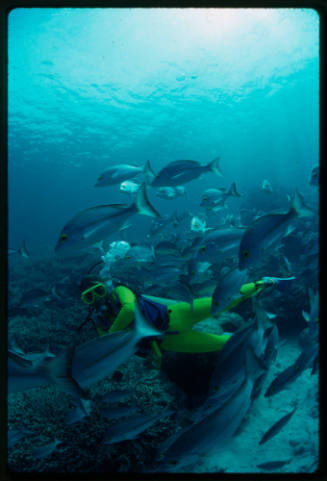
column 205, row 198
column 246, row 253
column 63, row 237
column 100, row 177
column 203, row 248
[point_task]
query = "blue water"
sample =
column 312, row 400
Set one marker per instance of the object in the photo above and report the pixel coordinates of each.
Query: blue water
column 93, row 88
column 89, row 88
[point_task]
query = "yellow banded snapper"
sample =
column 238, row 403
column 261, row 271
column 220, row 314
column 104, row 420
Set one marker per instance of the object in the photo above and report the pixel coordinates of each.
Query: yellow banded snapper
column 182, row 171
column 267, row 229
column 120, row 172
column 96, row 223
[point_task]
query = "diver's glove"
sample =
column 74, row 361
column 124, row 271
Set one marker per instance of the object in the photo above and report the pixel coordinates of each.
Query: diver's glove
column 281, row 283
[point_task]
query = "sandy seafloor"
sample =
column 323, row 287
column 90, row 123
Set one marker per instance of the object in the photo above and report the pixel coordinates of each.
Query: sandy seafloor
column 43, row 411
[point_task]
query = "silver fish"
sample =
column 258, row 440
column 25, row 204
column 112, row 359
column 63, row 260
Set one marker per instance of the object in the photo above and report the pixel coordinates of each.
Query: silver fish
column 180, row 172
column 292, row 372
column 266, row 186
column 46, row 450
column 22, row 251
column 121, row 172
column 100, row 357
column 220, row 242
column 24, row 375
column 15, row 435
column 313, row 317
column 277, row 426
column 170, row 193
column 266, row 230
column 77, row 414
column 314, row 177
column 216, row 198
column 273, row 465
column 227, row 290
column 95, row 224
column 214, row 430
column 132, row 427
column 129, row 187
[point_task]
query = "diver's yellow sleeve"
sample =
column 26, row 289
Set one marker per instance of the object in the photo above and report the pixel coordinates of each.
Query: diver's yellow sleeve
column 124, row 318
column 126, row 313
column 194, row 341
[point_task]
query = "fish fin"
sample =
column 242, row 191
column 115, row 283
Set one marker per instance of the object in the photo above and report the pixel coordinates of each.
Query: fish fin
column 142, row 203
column 23, row 251
column 306, row 316
column 142, row 328
column 214, row 166
column 262, row 319
column 254, row 367
column 299, row 206
column 232, row 191
column 148, row 169
column 59, row 372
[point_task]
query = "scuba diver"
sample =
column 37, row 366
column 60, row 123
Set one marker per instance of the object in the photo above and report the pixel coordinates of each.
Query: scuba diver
column 112, row 309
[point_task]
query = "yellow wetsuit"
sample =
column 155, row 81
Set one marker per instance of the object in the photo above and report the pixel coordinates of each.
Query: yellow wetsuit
column 181, row 318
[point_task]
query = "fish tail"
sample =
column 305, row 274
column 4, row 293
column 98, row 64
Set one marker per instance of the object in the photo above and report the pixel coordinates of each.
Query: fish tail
column 148, row 169
column 214, row 166
column 254, row 367
column 142, row 328
column 142, row 203
column 59, row 372
column 233, row 191
column 23, row 250
column 299, row 206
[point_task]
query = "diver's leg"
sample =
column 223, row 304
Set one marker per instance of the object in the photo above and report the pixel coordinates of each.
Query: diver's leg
column 194, row 341
column 182, row 317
